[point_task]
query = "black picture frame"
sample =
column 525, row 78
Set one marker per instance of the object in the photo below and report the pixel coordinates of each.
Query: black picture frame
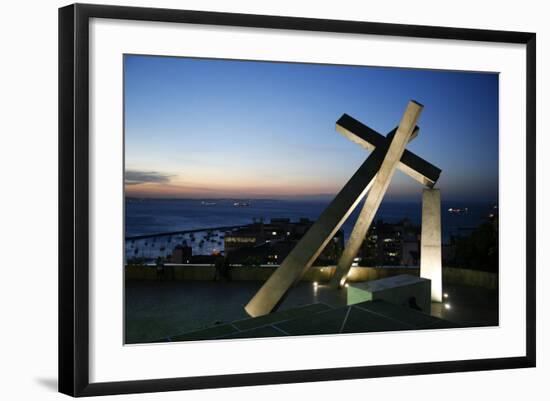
column 74, row 198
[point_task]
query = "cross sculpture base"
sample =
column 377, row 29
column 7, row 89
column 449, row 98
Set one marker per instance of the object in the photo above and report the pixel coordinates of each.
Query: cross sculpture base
column 373, row 177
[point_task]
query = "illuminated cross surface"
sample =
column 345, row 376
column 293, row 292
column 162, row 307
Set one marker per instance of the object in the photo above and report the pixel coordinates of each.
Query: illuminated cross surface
column 372, row 177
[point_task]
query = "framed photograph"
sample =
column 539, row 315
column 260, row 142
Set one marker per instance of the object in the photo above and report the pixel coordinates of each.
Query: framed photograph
column 251, row 199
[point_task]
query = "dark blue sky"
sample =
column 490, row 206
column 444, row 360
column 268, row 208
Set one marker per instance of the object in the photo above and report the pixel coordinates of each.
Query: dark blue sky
column 221, row 128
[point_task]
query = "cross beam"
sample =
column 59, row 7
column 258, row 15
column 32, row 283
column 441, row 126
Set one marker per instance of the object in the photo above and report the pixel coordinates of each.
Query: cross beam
column 411, row 164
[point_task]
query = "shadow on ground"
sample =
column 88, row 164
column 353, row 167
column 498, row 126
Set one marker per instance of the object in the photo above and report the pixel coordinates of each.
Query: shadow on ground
column 49, row 383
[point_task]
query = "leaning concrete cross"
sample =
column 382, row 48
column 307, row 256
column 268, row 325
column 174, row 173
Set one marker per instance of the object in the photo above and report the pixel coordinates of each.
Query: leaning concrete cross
column 314, row 241
column 377, row 192
column 420, row 170
column 426, row 174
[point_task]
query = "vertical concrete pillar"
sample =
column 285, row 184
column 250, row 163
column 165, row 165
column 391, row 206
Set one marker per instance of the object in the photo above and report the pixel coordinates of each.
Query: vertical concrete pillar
column 377, row 192
column 430, row 242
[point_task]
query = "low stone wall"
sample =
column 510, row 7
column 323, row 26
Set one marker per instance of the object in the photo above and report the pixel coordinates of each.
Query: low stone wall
column 473, row 278
column 134, row 272
column 181, row 272
column 451, row 275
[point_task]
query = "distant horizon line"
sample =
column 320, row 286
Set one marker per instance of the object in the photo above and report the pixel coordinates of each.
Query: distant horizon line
column 297, row 198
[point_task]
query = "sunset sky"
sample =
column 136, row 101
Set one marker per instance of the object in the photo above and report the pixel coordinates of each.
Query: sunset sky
column 197, row 128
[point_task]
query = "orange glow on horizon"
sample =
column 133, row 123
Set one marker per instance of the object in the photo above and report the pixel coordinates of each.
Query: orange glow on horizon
column 156, row 190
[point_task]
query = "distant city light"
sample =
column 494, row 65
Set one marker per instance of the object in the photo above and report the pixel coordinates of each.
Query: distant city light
column 447, row 306
column 445, row 295
column 315, row 284
column 274, row 233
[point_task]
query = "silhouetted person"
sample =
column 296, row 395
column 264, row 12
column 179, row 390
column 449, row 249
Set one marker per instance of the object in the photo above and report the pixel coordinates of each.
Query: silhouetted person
column 160, row 269
column 225, row 269
column 218, row 265
column 222, row 269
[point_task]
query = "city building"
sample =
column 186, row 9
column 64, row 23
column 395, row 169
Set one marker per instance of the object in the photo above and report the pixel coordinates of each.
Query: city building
column 391, row 244
column 262, row 243
column 181, row 254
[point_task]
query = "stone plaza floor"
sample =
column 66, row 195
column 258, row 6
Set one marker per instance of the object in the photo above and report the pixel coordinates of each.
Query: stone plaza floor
column 159, row 309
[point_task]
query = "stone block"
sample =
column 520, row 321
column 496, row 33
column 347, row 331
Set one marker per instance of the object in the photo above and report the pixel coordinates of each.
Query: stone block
column 403, row 290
